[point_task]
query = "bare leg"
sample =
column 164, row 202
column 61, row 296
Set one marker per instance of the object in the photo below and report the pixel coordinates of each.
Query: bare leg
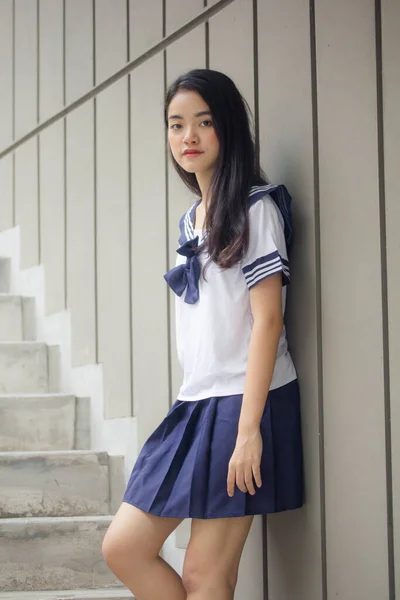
column 131, row 550
column 212, row 559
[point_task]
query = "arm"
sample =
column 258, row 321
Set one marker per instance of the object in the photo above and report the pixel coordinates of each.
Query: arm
column 266, row 307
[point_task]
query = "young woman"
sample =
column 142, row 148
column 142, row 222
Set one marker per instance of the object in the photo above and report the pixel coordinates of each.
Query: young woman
column 230, row 446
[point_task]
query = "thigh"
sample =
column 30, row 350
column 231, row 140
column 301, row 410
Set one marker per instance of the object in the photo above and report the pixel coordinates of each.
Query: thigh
column 135, row 532
column 215, row 547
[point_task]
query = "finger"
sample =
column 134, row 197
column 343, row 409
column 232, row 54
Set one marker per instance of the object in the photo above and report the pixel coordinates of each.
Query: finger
column 240, row 480
column 231, row 481
column 249, row 481
column 257, row 475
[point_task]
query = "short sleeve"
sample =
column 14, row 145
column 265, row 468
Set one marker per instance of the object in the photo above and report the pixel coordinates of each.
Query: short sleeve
column 266, row 254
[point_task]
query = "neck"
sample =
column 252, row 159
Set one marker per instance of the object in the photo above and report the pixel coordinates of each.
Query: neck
column 204, row 179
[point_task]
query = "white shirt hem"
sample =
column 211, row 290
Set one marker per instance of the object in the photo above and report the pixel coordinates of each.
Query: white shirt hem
column 221, row 391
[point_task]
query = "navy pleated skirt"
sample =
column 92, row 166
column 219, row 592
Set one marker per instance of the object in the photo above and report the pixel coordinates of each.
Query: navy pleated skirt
column 182, row 469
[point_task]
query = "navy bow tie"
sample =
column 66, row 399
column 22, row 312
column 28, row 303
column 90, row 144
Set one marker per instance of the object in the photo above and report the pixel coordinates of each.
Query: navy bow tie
column 186, row 276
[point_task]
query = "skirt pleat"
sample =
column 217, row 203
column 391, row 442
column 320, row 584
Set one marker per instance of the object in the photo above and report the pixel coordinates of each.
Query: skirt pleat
column 182, row 469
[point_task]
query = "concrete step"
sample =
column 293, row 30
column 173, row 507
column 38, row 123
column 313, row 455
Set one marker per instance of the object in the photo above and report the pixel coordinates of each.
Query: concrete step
column 53, row 554
column 54, row 484
column 5, row 274
column 99, row 594
column 17, row 318
column 23, row 368
column 11, row 327
column 32, row 422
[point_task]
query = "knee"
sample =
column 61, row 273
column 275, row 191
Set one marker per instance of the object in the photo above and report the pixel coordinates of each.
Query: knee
column 111, row 550
column 116, row 552
column 208, row 578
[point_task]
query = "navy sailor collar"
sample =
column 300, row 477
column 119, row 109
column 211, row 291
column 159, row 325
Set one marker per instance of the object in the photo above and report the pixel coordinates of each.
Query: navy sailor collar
column 185, row 277
column 278, row 193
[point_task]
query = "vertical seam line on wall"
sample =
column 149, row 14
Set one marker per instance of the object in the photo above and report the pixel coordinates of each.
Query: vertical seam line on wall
column 38, row 200
column 39, row 213
column 384, row 291
column 256, row 90
column 65, row 157
column 13, row 71
column 96, row 307
column 169, row 327
column 314, row 97
column 257, row 158
column 37, row 61
column 207, row 39
column 130, row 200
column 13, row 114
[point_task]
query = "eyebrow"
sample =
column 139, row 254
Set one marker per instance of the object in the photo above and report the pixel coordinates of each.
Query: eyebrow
column 199, row 114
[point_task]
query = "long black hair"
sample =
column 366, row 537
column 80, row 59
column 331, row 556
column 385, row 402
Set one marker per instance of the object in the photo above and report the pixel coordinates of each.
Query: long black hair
column 237, row 167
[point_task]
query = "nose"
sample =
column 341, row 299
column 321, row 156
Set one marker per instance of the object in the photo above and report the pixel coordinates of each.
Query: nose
column 190, row 136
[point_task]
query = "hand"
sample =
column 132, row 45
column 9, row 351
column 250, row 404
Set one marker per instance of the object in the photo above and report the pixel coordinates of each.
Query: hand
column 245, row 463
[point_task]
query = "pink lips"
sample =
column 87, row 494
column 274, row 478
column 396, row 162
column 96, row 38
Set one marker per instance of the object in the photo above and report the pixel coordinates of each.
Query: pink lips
column 191, row 153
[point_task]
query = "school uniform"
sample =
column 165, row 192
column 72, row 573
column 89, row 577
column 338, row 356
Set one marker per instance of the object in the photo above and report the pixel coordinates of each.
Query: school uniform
column 182, row 469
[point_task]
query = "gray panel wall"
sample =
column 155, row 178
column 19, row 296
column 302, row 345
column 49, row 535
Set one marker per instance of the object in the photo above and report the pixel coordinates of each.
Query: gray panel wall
column 51, row 151
column 354, row 418
column 51, row 55
column 81, row 280
column 112, row 208
column 52, row 213
column 98, row 203
column 26, row 115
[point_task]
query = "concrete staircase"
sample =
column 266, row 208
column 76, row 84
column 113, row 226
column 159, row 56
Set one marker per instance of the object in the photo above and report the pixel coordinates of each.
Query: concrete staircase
column 56, row 495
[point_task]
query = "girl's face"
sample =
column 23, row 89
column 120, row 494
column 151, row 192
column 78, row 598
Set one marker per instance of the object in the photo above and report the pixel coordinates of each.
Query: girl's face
column 191, row 134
